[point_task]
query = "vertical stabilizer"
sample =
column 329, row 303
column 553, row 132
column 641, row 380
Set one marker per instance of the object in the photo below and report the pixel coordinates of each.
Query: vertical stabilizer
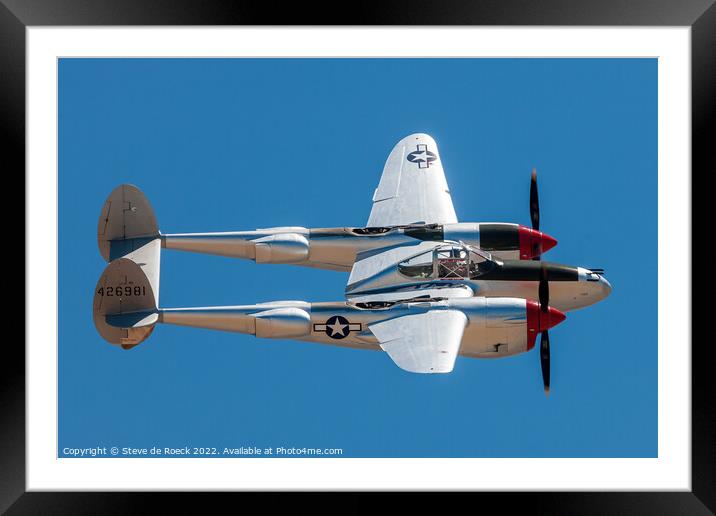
column 124, row 307
column 127, row 228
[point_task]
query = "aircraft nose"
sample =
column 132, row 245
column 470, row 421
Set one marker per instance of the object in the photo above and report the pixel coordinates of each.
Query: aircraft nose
column 596, row 285
column 605, row 287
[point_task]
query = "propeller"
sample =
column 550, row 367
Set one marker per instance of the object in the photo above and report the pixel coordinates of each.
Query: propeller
column 544, row 359
column 532, row 241
column 549, row 315
column 534, row 201
column 544, row 337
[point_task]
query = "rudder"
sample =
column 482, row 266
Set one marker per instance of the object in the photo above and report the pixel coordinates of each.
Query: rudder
column 127, row 228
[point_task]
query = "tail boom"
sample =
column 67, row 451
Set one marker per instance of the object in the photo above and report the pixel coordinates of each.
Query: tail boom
column 290, row 319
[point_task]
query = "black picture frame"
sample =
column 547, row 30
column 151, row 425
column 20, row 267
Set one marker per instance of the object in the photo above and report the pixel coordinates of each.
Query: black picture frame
column 700, row 15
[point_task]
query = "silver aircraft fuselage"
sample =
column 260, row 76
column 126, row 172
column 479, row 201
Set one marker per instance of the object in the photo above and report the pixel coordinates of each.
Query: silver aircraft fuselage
column 570, row 287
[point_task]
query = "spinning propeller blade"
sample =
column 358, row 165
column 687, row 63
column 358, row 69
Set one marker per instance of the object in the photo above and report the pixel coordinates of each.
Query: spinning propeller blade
column 534, row 201
column 544, row 359
column 532, row 241
column 544, row 337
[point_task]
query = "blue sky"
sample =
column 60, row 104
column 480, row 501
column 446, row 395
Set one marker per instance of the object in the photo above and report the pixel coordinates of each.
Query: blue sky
column 222, row 144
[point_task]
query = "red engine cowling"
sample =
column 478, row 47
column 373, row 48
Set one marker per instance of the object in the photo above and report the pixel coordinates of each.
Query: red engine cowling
column 539, row 321
column 533, row 243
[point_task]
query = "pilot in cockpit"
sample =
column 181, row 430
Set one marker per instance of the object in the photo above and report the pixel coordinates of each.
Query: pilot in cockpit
column 451, row 262
column 479, row 264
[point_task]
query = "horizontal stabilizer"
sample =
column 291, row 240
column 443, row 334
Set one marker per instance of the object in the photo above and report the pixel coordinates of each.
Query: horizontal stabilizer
column 133, row 320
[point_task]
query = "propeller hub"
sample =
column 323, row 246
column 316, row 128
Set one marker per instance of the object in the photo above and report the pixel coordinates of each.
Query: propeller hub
column 533, row 243
column 539, row 320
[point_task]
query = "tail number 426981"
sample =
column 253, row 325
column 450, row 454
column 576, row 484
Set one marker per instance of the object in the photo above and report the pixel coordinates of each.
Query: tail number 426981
column 123, row 291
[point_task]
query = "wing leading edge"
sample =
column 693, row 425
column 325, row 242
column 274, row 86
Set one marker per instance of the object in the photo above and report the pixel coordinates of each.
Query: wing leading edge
column 422, row 343
column 412, row 188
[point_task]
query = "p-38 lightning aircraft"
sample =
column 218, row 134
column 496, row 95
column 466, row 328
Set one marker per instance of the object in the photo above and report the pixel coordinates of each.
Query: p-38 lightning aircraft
column 422, row 287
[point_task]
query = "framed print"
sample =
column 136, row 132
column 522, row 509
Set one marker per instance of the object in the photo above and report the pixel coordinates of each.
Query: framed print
column 151, row 119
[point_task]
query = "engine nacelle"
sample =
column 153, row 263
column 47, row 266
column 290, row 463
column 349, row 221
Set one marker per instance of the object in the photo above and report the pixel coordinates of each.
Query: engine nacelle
column 282, row 248
column 504, row 326
column 283, row 323
column 507, row 241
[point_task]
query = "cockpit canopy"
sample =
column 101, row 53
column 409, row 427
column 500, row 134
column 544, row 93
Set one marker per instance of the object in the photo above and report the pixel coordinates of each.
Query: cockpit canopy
column 448, row 262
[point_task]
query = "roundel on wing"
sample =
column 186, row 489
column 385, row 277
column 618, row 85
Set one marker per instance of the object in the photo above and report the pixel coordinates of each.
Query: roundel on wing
column 422, row 156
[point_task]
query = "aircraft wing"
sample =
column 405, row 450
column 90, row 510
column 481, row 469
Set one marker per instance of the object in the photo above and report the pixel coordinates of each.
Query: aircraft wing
column 422, row 343
column 412, row 188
